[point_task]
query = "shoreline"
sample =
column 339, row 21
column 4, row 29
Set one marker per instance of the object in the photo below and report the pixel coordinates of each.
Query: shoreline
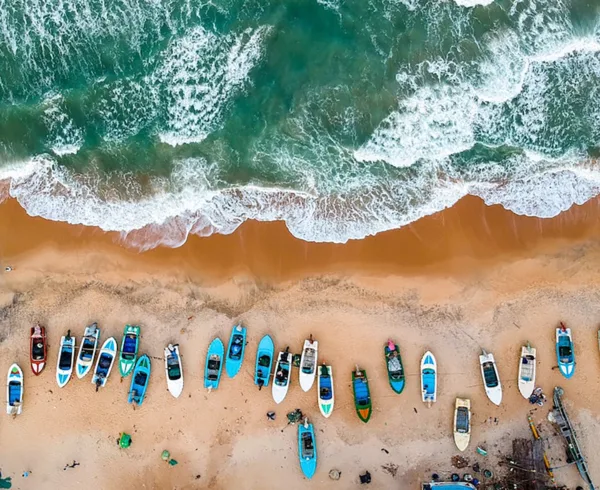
column 469, row 234
column 454, row 298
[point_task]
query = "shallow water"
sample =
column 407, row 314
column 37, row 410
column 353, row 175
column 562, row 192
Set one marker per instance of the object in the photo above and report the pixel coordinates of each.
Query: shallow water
column 343, row 118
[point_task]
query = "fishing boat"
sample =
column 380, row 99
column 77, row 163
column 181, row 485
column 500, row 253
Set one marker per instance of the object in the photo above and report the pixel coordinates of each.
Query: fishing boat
column 564, row 351
column 428, row 378
column 264, row 360
column 491, row 378
column 214, row 364
column 66, row 358
column 395, row 369
column 174, row 370
column 307, row 449
column 38, row 349
column 527, row 371
column 129, row 349
column 362, row 394
column 235, row 351
column 104, row 363
column 442, row 485
column 325, row 390
column 308, row 363
column 87, row 350
column 14, row 390
column 139, row 380
column 281, row 378
column 462, row 423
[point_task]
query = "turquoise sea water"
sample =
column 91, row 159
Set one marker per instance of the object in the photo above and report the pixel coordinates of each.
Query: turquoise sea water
column 342, row 117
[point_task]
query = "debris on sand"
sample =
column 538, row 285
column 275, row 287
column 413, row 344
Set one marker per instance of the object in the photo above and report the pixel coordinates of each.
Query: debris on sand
column 390, row 469
column 459, row 462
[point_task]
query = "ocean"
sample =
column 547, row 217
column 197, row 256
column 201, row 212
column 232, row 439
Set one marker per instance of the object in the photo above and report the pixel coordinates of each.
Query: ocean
column 344, row 118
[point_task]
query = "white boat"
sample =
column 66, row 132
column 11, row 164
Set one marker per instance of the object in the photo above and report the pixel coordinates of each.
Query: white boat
column 281, row 377
column 429, row 378
column 104, row 363
column 462, row 423
column 491, row 379
column 308, row 363
column 14, row 390
column 174, row 370
column 527, row 371
column 66, row 358
column 325, row 392
column 87, row 350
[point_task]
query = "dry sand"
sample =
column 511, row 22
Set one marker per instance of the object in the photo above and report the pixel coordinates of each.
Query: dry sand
column 471, row 277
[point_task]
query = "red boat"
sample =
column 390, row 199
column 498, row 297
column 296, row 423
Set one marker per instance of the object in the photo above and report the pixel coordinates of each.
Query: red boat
column 38, row 351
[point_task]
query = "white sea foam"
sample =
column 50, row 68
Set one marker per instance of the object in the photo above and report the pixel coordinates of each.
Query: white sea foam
column 203, row 72
column 473, row 3
column 64, row 136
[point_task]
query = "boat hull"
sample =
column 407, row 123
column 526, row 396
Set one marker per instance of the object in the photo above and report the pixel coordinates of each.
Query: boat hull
column 14, row 390
column 175, row 386
column 310, row 357
column 279, row 391
column 429, row 378
column 233, row 363
column 38, row 343
column 266, row 348
column 564, row 339
column 138, row 387
column 129, row 349
column 308, row 464
column 362, row 396
column 494, row 393
column 325, row 381
column 527, row 371
column 462, row 406
column 217, row 349
column 66, row 359
column 84, row 364
column 397, row 385
column 108, row 354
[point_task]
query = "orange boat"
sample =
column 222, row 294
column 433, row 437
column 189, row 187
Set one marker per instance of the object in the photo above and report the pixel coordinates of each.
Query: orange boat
column 39, row 349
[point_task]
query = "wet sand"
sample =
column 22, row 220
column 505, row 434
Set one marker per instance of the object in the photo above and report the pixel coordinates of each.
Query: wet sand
column 468, row 278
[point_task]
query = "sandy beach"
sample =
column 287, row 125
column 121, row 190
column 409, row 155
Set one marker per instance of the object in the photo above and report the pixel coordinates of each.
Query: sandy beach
column 468, row 278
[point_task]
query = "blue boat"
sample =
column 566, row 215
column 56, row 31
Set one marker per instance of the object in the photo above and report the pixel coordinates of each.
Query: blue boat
column 139, row 380
column 428, row 378
column 235, row 351
column 214, row 364
column 307, row 449
column 394, row 366
column 264, row 361
column 565, row 353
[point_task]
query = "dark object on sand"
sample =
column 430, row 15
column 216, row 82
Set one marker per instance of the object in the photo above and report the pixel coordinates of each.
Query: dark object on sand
column 124, row 440
column 435, row 477
column 271, row 415
column 476, row 468
column 366, row 478
column 385, row 450
column 72, row 465
column 295, row 416
column 335, row 474
column 487, row 473
column 455, row 477
column 459, row 462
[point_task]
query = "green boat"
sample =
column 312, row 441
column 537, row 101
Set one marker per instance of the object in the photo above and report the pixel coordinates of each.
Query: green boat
column 362, row 394
column 395, row 370
column 129, row 349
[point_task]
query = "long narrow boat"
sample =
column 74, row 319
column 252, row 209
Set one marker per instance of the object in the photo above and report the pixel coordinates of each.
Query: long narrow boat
column 87, row 350
column 527, row 371
column 565, row 353
column 491, row 378
column 281, row 376
column 362, row 394
column 307, row 449
column 428, row 378
column 14, row 390
column 129, row 349
column 395, row 369
column 235, row 351
column 325, row 390
column 139, row 380
column 104, row 363
column 462, row 423
column 66, row 358
column 173, row 370
column 38, row 349
column 264, row 361
column 308, row 364
column 214, row 364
